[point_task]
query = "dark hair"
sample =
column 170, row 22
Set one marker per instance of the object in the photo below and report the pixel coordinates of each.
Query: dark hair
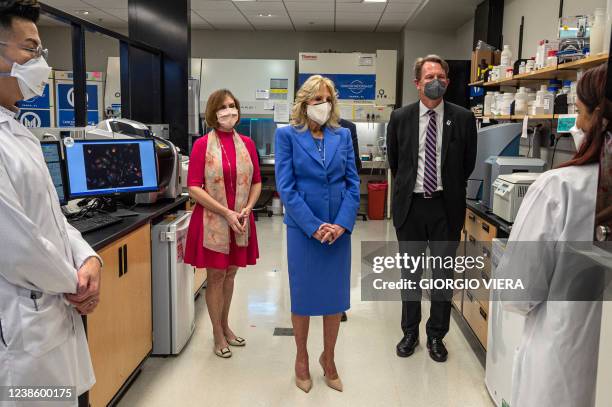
column 418, row 64
column 25, row 9
column 591, row 91
column 214, row 104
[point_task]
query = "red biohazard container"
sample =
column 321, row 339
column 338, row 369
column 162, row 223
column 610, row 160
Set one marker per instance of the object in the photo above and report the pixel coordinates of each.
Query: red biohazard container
column 377, row 192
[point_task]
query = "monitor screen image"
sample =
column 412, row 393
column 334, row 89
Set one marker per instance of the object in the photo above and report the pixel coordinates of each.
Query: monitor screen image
column 52, row 153
column 105, row 167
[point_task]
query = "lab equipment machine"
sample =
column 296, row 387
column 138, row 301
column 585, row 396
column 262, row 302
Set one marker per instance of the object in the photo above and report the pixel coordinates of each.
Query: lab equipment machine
column 510, row 189
column 167, row 156
column 499, row 140
column 496, row 166
column 173, row 281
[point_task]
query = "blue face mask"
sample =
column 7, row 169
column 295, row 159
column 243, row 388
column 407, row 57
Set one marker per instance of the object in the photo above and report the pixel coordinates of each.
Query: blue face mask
column 435, row 89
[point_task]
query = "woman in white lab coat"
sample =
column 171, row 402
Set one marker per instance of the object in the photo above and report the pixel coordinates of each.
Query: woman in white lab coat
column 43, row 260
column 556, row 362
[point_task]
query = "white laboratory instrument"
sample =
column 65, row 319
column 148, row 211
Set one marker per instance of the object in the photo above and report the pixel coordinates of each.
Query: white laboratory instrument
column 172, row 281
column 510, row 189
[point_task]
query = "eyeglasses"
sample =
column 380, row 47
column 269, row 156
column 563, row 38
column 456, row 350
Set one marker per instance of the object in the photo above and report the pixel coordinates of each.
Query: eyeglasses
column 36, row 52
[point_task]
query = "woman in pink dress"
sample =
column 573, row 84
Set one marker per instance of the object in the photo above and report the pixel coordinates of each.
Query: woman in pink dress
column 225, row 181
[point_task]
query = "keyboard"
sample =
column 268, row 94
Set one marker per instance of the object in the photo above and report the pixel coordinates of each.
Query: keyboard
column 99, row 221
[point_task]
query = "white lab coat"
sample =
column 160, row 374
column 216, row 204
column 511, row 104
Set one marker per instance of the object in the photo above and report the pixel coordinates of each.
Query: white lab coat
column 556, row 362
column 39, row 251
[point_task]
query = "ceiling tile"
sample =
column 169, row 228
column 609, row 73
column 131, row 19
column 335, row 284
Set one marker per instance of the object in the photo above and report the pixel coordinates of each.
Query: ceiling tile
column 212, row 5
column 103, row 4
column 121, row 13
column 360, row 7
column 67, row 4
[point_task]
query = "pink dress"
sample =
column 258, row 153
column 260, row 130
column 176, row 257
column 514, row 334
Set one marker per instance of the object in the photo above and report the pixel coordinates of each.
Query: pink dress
column 195, row 253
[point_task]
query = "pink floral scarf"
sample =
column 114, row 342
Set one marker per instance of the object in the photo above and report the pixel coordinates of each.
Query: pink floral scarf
column 216, row 228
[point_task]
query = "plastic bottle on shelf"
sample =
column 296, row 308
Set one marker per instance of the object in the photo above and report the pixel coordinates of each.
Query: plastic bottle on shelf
column 549, row 101
column 556, row 84
column 567, row 87
column 551, row 59
column 571, row 99
column 506, row 108
column 540, row 59
column 530, row 66
column 598, row 30
column 506, row 56
column 539, row 102
column 521, row 101
column 499, row 100
column 488, row 101
column 522, row 68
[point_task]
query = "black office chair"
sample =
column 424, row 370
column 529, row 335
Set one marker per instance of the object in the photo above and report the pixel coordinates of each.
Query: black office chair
column 263, row 207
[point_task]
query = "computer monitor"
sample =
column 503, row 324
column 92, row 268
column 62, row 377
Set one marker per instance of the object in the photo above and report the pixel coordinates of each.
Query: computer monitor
column 109, row 167
column 53, row 158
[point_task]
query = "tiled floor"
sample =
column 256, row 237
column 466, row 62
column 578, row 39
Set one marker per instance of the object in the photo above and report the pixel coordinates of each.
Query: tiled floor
column 261, row 374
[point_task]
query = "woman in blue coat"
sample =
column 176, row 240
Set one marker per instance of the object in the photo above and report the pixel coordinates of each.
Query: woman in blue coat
column 319, row 186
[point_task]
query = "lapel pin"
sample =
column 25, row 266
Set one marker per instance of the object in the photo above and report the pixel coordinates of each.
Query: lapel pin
column 448, row 122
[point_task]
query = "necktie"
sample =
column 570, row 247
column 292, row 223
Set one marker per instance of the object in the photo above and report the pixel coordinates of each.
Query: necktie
column 430, row 183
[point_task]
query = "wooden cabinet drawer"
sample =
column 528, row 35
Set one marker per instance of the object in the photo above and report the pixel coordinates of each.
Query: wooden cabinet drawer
column 476, row 316
column 119, row 331
column 478, row 228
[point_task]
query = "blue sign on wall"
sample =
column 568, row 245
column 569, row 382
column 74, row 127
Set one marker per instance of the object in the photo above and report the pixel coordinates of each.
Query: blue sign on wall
column 37, row 102
column 65, row 118
column 349, row 86
column 65, row 97
column 35, row 117
column 65, row 105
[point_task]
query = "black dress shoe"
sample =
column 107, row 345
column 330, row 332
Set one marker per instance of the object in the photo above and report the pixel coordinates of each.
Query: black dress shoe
column 437, row 350
column 343, row 318
column 406, row 346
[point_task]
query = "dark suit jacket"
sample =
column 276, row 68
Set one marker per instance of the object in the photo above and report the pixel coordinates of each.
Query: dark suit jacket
column 459, row 141
column 353, row 129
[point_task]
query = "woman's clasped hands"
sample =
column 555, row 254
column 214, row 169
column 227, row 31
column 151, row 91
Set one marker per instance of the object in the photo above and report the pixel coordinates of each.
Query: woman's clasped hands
column 328, row 233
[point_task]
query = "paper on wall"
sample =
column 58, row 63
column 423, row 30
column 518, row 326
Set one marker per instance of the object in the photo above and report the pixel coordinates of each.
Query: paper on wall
column 281, row 112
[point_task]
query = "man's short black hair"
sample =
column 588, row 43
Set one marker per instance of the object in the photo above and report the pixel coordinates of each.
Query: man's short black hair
column 10, row 9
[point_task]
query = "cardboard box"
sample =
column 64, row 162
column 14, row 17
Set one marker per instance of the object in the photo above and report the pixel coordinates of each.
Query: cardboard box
column 490, row 57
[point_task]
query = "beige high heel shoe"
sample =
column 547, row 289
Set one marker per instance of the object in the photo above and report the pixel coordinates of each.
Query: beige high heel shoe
column 336, row 383
column 304, row 385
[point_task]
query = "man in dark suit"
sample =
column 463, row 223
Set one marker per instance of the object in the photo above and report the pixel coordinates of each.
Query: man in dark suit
column 353, row 129
column 431, row 148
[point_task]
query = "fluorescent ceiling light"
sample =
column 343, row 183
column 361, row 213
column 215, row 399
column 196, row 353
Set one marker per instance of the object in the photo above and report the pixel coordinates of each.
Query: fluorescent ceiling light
column 83, row 12
column 264, row 15
column 374, row 1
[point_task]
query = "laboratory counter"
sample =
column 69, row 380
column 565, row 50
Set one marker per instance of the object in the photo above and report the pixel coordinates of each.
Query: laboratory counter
column 502, row 226
column 120, row 331
column 146, row 214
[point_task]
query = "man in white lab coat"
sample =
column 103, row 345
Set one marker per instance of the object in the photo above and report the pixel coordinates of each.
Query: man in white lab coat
column 556, row 363
column 48, row 274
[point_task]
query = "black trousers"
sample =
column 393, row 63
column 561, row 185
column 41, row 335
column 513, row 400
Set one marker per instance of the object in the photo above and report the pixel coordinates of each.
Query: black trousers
column 425, row 227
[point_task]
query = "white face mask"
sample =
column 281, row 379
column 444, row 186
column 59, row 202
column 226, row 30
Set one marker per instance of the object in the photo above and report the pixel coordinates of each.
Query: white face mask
column 227, row 118
column 320, row 113
column 578, row 136
column 32, row 77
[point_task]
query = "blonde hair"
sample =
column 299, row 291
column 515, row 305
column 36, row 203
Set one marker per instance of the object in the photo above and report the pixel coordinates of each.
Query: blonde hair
column 307, row 92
